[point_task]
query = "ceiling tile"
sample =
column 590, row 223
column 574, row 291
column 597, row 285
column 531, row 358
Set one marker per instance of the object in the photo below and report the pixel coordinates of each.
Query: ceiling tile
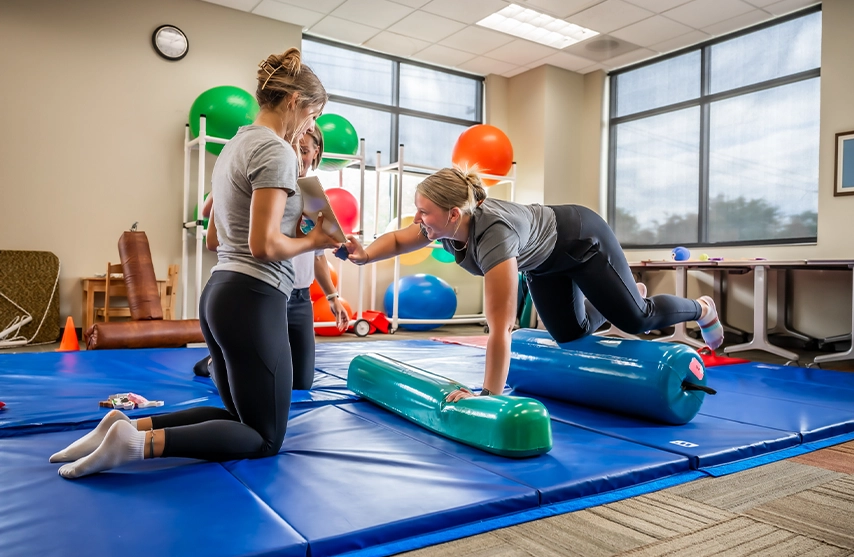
column 682, row 41
column 476, row 40
column 375, row 13
column 609, row 15
column 650, row 31
column 426, row 26
column 630, row 58
column 761, row 3
column 658, row 6
column 444, row 56
column 516, row 71
column 601, row 48
column 324, row 6
column 242, row 5
column 288, row 14
column 702, row 13
column 740, row 22
column 788, row 6
column 342, row 30
column 392, row 43
column 411, row 3
column 593, row 68
column 565, row 61
column 466, row 11
column 485, row 66
column 558, row 8
column 520, row 52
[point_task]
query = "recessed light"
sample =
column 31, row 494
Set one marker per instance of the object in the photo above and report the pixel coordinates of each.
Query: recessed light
column 535, row 26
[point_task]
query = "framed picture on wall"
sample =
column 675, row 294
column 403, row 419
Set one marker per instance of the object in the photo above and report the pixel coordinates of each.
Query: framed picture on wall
column 843, row 175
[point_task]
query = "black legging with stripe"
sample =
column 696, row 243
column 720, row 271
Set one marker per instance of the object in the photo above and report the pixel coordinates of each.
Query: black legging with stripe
column 244, row 322
column 587, row 281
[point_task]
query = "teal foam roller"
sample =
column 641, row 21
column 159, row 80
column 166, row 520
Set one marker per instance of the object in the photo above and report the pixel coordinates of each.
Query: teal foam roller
column 510, row 426
column 658, row 381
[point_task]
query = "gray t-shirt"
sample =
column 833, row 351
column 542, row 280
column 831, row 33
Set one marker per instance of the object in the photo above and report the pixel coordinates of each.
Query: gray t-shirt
column 500, row 230
column 255, row 158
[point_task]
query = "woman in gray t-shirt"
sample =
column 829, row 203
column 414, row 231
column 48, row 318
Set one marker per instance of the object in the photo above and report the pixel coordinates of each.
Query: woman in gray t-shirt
column 577, row 273
column 243, row 309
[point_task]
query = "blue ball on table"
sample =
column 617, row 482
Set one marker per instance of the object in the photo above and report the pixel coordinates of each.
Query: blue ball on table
column 680, row 254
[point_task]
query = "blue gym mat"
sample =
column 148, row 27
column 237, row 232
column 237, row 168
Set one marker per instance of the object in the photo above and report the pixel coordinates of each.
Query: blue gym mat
column 353, row 478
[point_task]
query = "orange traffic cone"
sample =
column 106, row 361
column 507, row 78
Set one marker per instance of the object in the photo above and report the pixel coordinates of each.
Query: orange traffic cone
column 69, row 337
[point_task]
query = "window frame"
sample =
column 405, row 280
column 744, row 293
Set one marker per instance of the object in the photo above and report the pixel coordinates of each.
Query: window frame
column 394, row 109
column 704, row 101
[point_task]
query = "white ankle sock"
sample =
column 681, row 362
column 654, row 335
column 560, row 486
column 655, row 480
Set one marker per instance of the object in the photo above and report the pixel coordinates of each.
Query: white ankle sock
column 642, row 289
column 710, row 325
column 122, row 444
column 89, row 442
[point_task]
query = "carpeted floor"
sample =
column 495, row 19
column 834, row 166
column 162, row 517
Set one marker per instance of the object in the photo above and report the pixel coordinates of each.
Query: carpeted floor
column 802, row 506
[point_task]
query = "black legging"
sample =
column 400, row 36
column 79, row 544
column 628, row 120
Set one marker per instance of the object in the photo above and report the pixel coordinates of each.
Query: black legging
column 301, row 337
column 588, row 262
column 242, row 321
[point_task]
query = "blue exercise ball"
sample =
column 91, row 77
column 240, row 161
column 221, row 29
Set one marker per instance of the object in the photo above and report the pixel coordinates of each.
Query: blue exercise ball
column 421, row 297
column 681, row 254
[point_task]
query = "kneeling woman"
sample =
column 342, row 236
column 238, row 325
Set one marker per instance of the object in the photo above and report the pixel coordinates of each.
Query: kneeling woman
column 576, row 270
column 243, row 310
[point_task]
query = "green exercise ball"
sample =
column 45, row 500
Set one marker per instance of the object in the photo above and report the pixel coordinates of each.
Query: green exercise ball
column 442, row 256
column 339, row 137
column 226, row 108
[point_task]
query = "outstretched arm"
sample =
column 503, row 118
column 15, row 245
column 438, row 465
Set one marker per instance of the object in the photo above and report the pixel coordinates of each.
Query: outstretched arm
column 500, row 287
column 388, row 245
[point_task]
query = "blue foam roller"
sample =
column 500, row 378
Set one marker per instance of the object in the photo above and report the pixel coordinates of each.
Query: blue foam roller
column 658, row 381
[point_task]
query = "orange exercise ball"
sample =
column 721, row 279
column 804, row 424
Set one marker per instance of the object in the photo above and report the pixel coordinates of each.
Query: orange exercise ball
column 486, row 147
column 323, row 314
column 315, row 291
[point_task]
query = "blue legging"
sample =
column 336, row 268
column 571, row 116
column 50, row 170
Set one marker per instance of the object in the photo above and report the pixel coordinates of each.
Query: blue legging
column 587, row 281
column 242, row 320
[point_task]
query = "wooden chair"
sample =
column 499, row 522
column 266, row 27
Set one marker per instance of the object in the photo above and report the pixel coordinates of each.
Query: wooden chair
column 167, row 293
column 115, row 286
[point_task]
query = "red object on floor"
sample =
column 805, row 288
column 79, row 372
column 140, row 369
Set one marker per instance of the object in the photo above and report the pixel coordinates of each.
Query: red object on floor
column 476, row 341
column 710, row 359
column 377, row 321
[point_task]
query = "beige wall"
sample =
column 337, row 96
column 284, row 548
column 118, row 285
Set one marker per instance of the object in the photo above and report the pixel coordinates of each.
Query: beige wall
column 94, row 122
column 115, row 113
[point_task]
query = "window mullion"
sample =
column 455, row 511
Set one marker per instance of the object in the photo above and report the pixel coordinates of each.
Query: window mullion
column 395, row 113
column 705, row 134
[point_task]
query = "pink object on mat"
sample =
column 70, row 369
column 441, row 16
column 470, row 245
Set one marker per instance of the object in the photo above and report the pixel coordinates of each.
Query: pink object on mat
column 476, row 341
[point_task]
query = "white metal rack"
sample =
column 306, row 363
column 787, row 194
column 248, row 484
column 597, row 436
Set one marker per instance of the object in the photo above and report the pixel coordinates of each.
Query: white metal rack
column 195, row 228
column 401, row 167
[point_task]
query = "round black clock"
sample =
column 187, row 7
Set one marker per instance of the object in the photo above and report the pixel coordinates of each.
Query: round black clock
column 170, row 42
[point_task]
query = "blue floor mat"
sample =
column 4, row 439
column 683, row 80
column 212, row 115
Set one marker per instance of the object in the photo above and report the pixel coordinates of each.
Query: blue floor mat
column 344, row 483
column 163, row 507
column 352, row 477
column 581, row 463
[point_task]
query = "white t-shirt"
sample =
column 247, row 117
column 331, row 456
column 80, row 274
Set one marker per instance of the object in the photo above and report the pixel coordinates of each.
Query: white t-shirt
column 304, row 268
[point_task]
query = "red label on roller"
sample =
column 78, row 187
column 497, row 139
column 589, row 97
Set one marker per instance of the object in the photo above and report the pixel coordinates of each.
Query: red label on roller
column 696, row 368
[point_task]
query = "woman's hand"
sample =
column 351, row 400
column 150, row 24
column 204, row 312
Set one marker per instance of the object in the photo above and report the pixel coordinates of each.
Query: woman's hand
column 458, row 395
column 342, row 320
column 319, row 238
column 358, row 255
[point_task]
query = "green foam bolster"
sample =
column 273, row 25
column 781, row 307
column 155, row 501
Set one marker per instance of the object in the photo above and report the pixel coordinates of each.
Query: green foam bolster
column 509, row 426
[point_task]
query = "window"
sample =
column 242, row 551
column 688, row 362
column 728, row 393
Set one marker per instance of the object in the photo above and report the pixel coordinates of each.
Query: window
column 391, row 101
column 719, row 144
